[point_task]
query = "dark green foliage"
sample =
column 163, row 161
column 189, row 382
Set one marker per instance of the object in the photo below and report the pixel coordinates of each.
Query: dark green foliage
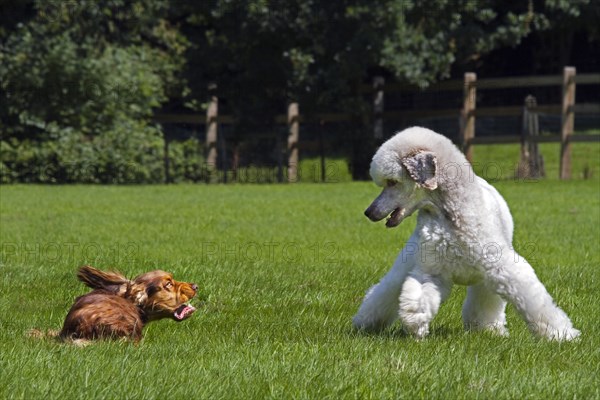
column 186, row 161
column 80, row 81
column 128, row 153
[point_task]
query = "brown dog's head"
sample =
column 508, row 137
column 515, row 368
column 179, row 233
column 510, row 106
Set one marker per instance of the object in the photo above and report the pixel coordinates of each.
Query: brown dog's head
column 160, row 296
column 156, row 293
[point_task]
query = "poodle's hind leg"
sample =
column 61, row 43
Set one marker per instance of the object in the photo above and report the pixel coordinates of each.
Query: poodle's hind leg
column 516, row 281
column 420, row 301
column 379, row 308
column 484, row 310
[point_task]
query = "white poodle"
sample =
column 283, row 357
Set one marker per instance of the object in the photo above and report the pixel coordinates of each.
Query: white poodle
column 463, row 235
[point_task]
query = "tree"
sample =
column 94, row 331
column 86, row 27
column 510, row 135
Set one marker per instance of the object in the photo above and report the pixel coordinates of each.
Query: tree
column 84, row 74
column 82, row 69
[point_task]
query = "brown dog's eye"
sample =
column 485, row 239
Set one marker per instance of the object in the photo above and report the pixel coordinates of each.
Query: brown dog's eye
column 168, row 285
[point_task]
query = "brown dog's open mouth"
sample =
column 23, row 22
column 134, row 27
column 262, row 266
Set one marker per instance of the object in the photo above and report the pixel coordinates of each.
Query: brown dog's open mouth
column 183, row 311
column 395, row 217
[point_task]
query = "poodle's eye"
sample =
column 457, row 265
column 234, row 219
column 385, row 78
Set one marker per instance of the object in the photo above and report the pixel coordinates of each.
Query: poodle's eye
column 390, row 183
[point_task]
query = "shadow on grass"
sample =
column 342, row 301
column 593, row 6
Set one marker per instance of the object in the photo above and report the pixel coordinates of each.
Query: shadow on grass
column 396, row 332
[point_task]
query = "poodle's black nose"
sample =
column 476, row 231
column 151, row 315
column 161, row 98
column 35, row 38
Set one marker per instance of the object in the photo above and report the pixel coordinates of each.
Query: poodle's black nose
column 194, row 287
column 371, row 214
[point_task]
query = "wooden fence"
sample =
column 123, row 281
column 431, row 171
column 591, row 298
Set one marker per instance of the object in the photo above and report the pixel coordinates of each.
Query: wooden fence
column 566, row 110
column 467, row 115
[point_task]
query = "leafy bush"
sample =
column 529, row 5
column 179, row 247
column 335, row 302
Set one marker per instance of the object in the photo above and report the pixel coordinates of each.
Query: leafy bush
column 187, row 161
column 77, row 98
column 128, row 153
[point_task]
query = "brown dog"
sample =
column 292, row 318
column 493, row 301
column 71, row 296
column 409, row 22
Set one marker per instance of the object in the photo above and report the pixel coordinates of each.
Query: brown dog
column 119, row 307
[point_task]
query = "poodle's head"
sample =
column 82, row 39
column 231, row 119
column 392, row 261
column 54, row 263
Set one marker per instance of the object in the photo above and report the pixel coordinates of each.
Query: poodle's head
column 406, row 166
column 406, row 186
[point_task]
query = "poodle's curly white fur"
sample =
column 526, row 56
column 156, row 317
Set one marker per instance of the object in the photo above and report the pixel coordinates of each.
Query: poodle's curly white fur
column 463, row 235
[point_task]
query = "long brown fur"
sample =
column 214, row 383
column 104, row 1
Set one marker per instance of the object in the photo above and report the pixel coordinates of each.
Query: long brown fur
column 119, row 307
column 96, row 279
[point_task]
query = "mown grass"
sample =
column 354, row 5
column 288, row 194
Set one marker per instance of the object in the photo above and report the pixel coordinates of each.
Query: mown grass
column 282, row 269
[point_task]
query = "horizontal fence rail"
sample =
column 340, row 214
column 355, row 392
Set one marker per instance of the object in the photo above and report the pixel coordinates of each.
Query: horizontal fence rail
column 506, row 111
column 466, row 115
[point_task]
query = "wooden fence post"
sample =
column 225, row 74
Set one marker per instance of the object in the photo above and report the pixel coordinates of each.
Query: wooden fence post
column 467, row 126
column 531, row 164
column 292, row 144
column 280, row 156
column 567, row 121
column 322, row 151
column 167, row 159
column 378, row 107
column 211, row 137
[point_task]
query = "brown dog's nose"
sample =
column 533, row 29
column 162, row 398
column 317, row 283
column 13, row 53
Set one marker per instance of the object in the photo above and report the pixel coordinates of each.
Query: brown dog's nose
column 194, row 287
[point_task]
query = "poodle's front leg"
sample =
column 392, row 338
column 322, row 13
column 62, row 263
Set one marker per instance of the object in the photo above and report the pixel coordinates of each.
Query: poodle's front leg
column 420, row 301
column 379, row 308
column 516, row 281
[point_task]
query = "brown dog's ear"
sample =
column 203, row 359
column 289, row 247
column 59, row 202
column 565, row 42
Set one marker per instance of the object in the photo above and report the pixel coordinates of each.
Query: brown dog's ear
column 422, row 167
column 137, row 293
column 151, row 289
column 96, row 279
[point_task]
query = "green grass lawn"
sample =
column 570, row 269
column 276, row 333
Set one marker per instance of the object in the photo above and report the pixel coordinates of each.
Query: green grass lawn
column 282, row 269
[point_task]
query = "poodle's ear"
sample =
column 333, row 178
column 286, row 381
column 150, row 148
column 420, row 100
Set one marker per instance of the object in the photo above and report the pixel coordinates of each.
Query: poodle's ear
column 422, row 167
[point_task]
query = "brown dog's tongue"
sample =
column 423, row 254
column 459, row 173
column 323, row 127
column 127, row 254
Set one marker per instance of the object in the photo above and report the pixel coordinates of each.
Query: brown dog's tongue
column 183, row 311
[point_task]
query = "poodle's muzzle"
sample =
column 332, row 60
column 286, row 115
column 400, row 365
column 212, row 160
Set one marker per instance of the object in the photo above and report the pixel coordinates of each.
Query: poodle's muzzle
column 383, row 206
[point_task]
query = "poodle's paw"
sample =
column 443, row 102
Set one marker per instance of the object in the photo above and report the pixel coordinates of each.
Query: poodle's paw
column 415, row 323
column 496, row 328
column 422, row 332
column 564, row 335
column 368, row 324
column 561, row 334
column 418, row 331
